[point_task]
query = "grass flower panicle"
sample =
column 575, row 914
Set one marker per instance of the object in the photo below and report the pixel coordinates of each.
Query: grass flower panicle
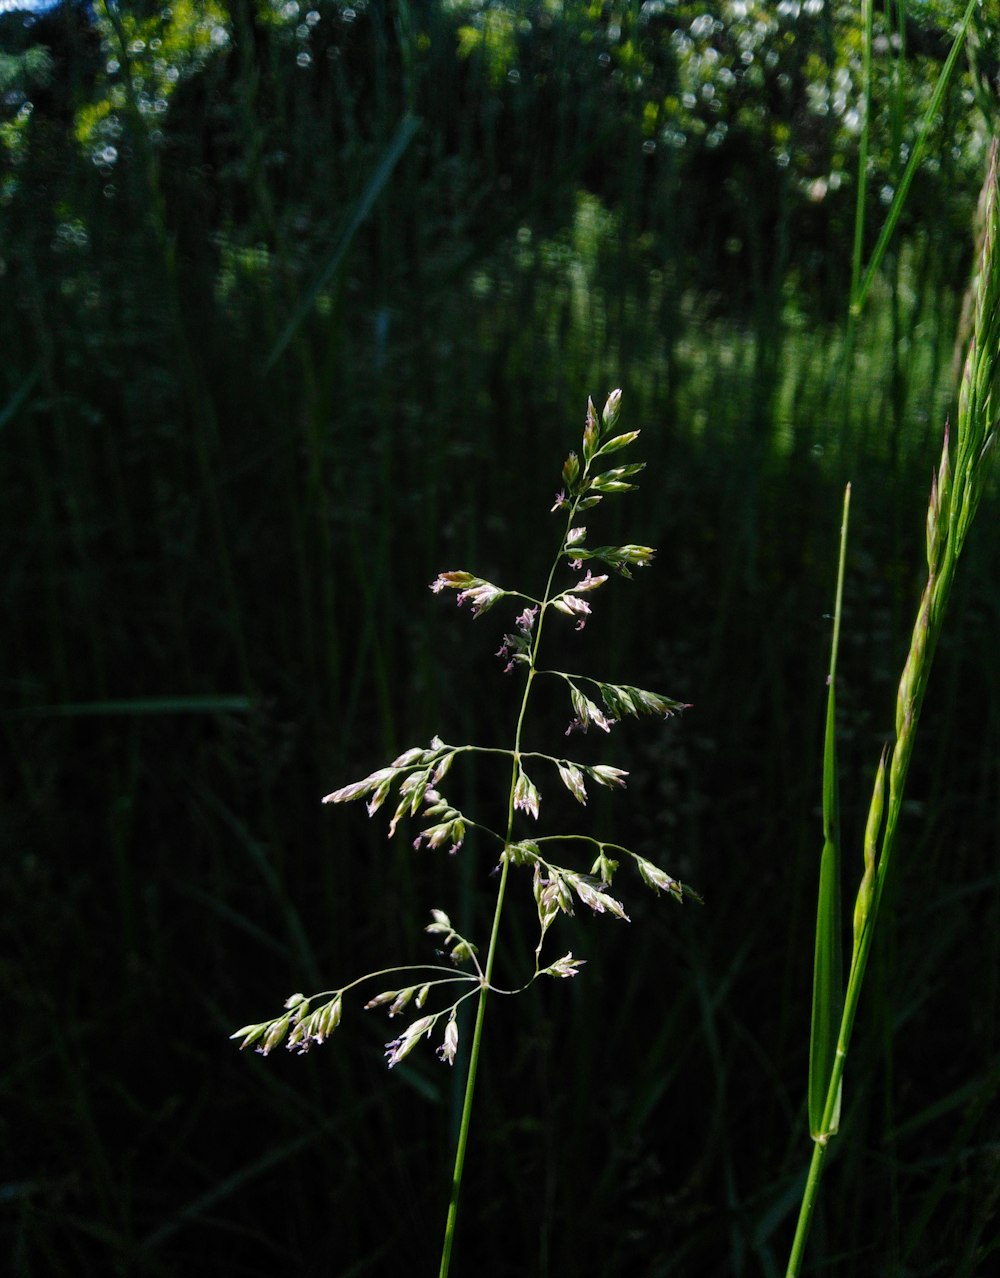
column 416, row 775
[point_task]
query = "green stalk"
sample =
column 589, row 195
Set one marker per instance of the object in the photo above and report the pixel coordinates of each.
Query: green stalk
column 470, row 1080
column 487, row 977
column 859, row 202
column 954, row 499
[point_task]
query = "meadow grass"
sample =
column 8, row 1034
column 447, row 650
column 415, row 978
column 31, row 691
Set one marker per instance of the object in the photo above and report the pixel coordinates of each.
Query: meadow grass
column 180, row 526
column 679, row 1016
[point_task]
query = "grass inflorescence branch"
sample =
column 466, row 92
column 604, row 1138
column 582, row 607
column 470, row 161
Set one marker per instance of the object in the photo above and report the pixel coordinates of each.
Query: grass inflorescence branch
column 415, row 781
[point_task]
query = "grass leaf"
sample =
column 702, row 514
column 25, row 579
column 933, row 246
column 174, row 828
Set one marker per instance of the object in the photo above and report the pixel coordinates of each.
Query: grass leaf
column 828, row 973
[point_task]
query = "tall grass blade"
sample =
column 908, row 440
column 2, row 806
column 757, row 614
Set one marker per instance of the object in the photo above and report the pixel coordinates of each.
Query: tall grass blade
column 221, row 704
column 828, row 965
column 18, row 399
column 955, row 494
column 235, row 1181
column 860, row 293
column 402, row 138
column 859, row 200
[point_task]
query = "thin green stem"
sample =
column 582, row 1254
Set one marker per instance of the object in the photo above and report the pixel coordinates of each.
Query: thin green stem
column 470, row 1083
column 392, row 971
column 808, row 1202
column 576, row 838
column 862, row 188
column 487, row 977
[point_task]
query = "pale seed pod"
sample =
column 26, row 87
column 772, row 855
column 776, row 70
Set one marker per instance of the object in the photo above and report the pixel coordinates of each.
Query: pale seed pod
column 932, row 525
column 400, row 1001
column 446, row 1052
column 612, row 409
column 274, row 1036
column 591, row 433
column 328, row 1018
column 872, row 827
column 380, row 1000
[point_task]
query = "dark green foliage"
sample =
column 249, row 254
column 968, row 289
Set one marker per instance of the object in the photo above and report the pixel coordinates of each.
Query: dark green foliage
column 178, row 523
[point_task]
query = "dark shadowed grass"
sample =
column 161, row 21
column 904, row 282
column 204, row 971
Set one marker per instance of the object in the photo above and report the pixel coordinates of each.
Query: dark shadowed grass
column 169, row 864
column 248, row 553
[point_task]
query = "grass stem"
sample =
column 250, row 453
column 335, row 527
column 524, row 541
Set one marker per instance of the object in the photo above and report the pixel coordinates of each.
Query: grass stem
column 487, row 975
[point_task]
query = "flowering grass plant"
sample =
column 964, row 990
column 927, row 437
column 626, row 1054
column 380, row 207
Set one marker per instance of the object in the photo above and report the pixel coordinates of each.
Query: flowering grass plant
column 957, row 487
column 415, row 780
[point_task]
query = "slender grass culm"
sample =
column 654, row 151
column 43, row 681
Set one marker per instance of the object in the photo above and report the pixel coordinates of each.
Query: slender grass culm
column 956, row 489
column 438, row 991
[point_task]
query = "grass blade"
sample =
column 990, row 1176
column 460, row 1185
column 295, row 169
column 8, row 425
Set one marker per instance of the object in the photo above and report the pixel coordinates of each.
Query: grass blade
column 19, row 398
column 860, row 293
column 402, row 138
column 214, row 704
column 828, row 973
column 859, row 204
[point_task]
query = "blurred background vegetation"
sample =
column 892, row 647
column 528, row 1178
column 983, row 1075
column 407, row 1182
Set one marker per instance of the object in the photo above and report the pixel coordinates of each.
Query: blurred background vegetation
column 301, row 303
